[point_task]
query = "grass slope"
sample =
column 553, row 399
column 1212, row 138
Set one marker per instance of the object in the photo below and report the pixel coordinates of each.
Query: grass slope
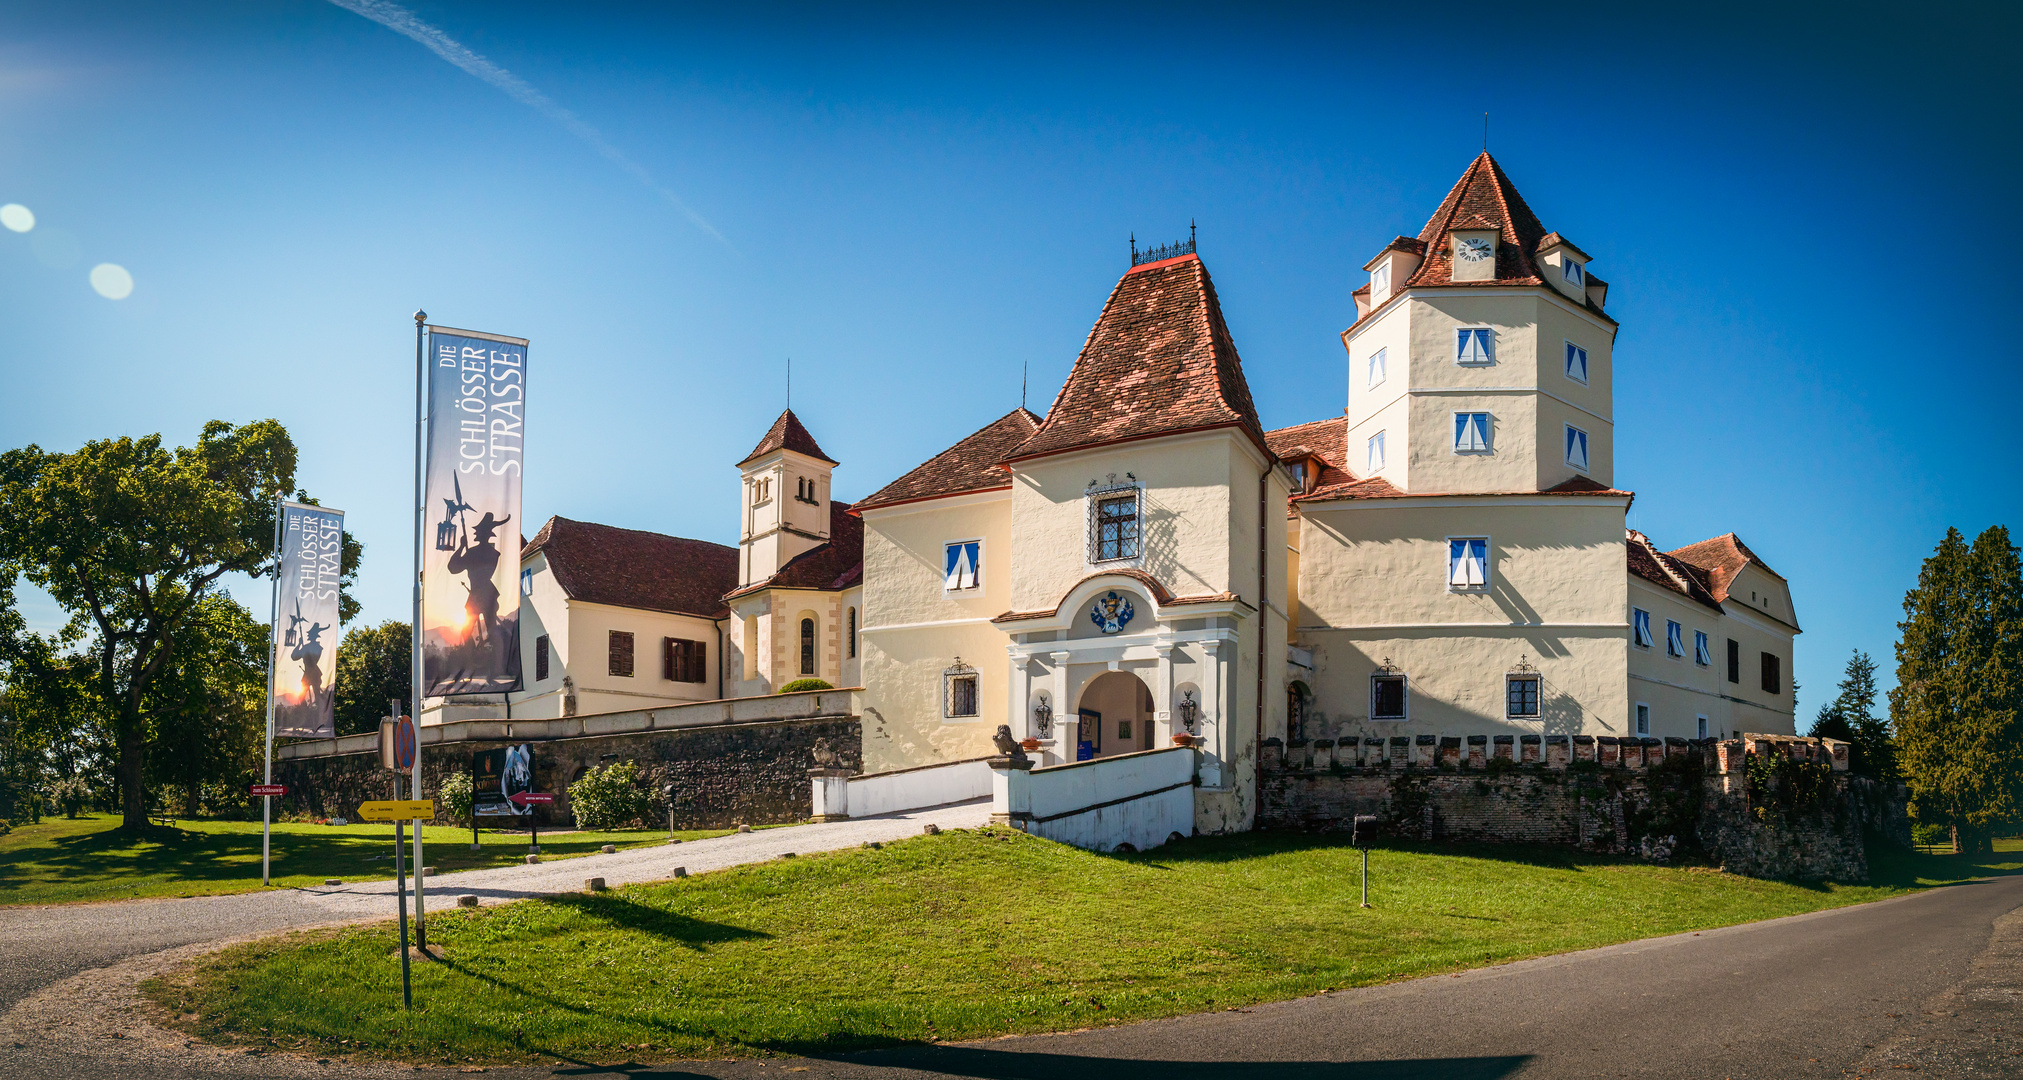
column 63, row 861
column 968, row 934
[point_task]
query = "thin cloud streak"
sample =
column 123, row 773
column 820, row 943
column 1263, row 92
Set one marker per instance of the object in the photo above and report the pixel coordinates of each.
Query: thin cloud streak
column 403, row 22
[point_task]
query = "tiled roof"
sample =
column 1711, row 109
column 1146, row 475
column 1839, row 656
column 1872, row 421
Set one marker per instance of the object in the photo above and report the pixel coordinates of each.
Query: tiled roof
column 1323, row 439
column 788, row 434
column 600, row 564
column 974, row 464
column 1483, row 198
column 1553, row 239
column 830, row 567
column 1721, row 559
column 1158, row 361
column 1160, row 595
column 1666, row 572
column 1344, row 485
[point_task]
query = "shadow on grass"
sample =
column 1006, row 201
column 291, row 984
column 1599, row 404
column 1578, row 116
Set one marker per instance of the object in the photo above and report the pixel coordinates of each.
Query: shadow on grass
column 1252, row 845
column 987, row 1064
column 625, row 914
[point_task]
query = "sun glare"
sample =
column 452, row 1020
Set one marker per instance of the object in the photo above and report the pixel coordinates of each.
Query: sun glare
column 112, row 281
column 17, row 217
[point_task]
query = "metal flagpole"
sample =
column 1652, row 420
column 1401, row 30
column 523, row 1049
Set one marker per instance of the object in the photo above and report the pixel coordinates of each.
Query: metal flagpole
column 420, row 512
column 273, row 652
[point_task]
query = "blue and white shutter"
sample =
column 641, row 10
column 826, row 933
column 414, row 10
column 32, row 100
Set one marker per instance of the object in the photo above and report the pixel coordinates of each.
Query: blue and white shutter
column 1675, row 639
column 1471, row 433
column 1467, row 564
column 1476, row 347
column 1640, row 622
column 1702, row 655
column 1576, row 362
column 1377, row 366
column 962, row 565
column 1576, row 448
column 1376, row 460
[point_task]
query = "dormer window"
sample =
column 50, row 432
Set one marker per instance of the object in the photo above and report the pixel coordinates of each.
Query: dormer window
column 1301, row 474
column 1571, row 270
column 1380, row 282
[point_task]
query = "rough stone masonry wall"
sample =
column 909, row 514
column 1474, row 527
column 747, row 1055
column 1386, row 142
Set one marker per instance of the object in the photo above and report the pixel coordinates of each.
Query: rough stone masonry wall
column 1625, row 795
column 752, row 773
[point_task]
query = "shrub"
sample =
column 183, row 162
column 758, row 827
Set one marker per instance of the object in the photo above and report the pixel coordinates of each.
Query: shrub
column 799, row 685
column 455, row 792
column 609, row 797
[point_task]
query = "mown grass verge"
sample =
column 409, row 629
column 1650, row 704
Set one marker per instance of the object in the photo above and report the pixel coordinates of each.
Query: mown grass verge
column 962, row 935
column 90, row 858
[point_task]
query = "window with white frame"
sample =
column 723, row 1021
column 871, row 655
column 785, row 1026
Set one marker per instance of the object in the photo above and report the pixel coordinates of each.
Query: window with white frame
column 1640, row 627
column 1380, row 279
column 1576, row 363
column 1520, row 697
column 526, row 583
column 1703, row 654
column 1378, row 361
column 1475, row 345
column 1471, row 433
column 1570, row 270
column 1387, row 697
column 1113, row 524
column 1467, row 563
column 1576, row 447
column 1643, row 719
column 959, row 691
column 1376, row 459
column 1675, row 640
column 962, row 566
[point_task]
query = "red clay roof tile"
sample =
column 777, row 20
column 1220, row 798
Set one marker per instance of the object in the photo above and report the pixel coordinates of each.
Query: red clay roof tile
column 974, row 464
column 788, row 434
column 600, row 564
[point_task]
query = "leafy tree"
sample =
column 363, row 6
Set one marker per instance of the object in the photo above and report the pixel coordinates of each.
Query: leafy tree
column 373, row 666
column 207, row 707
column 1850, row 717
column 1958, row 705
column 129, row 536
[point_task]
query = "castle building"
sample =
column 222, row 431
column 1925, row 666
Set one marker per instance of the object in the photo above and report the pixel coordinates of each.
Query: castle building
column 1112, row 577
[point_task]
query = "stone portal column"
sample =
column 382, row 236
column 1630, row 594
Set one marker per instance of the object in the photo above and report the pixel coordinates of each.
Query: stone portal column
column 1214, row 733
column 1162, row 697
column 1067, row 729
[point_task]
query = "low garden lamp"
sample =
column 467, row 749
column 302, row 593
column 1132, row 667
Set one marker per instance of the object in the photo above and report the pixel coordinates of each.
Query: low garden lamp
column 668, row 792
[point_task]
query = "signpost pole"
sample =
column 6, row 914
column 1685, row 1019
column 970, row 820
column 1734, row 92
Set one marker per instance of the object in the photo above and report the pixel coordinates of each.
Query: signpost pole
column 474, row 803
column 273, row 650
column 420, row 511
column 400, row 905
column 1366, row 877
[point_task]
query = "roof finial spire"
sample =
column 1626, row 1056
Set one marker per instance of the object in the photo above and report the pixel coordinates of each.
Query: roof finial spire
column 790, row 383
column 1024, row 368
column 1485, row 132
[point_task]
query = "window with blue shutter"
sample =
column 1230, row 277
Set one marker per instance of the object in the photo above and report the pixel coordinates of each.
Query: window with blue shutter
column 1703, row 655
column 1576, row 363
column 1570, row 269
column 1476, row 346
column 1471, row 433
column 1377, row 360
column 1376, row 460
column 1576, row 447
column 1468, row 563
column 1675, row 639
column 1640, row 626
column 963, row 567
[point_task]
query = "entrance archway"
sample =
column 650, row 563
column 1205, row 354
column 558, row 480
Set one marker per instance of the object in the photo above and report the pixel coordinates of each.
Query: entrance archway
column 1114, row 716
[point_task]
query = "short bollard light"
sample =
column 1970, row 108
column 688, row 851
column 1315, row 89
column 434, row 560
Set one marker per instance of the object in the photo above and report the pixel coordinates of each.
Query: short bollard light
column 668, row 792
column 1365, row 834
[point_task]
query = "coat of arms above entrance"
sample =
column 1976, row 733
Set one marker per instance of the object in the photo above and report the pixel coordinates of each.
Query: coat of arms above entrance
column 1111, row 612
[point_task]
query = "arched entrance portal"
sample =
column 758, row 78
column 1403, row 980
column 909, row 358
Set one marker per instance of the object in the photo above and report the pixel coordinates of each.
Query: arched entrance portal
column 1114, row 716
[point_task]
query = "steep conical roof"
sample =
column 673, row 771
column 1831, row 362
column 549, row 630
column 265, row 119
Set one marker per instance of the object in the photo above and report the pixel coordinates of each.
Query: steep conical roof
column 788, row 434
column 1483, row 198
column 1159, row 361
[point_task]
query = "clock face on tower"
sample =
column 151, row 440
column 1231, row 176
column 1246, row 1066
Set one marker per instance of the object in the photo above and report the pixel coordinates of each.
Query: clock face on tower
column 1474, row 249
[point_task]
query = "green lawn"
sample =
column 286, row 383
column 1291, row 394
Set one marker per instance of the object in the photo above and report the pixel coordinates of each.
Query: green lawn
column 63, row 861
column 962, row 935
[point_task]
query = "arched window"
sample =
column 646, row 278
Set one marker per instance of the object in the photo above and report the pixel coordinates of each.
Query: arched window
column 807, row 646
column 852, row 634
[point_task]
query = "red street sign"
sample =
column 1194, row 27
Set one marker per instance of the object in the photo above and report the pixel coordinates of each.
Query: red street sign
column 403, row 744
column 530, row 798
column 269, row 789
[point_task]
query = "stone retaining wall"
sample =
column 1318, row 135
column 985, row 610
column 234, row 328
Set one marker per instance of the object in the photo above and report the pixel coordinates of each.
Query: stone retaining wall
column 1662, row 798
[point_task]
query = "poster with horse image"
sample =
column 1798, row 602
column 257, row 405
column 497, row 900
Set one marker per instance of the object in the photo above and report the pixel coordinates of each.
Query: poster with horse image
column 477, row 396
column 498, row 775
column 305, row 656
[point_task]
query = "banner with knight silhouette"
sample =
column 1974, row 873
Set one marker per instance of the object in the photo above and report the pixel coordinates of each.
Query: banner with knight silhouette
column 305, row 658
column 477, row 395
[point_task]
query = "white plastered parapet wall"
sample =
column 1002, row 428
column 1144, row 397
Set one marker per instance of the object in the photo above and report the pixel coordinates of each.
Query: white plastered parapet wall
column 1373, row 586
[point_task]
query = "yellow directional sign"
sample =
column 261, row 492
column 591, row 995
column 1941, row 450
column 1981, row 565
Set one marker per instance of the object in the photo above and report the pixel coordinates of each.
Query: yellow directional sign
column 398, row 810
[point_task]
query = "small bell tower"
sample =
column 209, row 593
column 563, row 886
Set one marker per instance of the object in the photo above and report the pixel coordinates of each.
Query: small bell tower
column 785, row 507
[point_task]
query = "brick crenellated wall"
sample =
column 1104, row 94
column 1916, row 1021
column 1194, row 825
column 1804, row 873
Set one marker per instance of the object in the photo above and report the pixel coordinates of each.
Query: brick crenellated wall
column 1601, row 793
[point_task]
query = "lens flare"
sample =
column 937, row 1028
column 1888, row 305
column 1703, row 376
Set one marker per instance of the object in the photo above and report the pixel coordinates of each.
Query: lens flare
column 112, row 281
column 17, row 217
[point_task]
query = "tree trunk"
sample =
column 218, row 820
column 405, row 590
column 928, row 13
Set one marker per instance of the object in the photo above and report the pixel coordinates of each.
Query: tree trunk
column 132, row 770
column 190, row 800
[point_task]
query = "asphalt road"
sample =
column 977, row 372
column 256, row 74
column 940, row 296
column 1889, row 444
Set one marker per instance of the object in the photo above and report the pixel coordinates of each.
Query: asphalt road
column 1931, row 981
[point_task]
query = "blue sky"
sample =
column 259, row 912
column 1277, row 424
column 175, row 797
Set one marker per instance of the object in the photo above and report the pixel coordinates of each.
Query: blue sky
column 1804, row 222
